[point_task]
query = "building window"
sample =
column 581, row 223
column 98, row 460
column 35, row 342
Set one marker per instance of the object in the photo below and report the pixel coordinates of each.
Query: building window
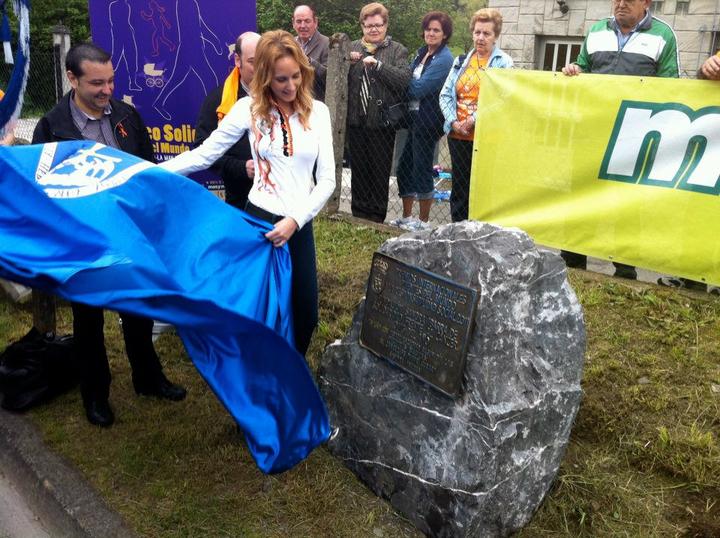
column 558, row 53
column 657, row 7
column 682, row 7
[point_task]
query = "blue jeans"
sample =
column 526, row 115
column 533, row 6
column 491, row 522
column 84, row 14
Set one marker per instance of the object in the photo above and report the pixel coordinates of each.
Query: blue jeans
column 414, row 172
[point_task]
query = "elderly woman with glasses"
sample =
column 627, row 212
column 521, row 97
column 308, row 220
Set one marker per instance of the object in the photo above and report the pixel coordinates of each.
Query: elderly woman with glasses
column 459, row 101
column 379, row 75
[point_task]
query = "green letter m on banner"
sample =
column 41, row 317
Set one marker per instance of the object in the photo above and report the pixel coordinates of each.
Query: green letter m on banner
column 665, row 145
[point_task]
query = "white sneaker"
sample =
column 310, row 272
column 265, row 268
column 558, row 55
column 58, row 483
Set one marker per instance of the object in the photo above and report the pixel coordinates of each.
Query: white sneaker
column 416, row 226
column 400, row 221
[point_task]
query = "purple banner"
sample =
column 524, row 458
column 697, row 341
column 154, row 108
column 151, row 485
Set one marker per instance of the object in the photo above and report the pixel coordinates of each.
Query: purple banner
column 168, row 55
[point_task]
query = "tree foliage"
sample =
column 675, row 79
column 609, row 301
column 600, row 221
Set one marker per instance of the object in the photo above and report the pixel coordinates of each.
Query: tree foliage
column 45, row 14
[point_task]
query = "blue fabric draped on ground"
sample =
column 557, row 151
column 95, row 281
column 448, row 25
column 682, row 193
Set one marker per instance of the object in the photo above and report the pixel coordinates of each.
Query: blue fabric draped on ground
column 98, row 226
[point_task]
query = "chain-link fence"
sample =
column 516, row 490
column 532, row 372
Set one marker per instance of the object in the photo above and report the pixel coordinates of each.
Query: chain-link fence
column 438, row 175
column 40, row 93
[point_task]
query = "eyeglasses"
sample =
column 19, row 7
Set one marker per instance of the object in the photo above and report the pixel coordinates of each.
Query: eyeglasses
column 626, row 2
column 373, row 26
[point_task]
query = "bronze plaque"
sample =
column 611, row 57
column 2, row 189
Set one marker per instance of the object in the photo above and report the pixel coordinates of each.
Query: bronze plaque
column 419, row 321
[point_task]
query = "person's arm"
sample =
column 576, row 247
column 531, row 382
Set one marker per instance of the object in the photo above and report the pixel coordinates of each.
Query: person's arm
column 207, row 118
column 320, row 64
column 229, row 167
column 41, row 134
column 504, row 61
column 432, row 79
column 232, row 128
column 710, row 69
column 448, row 96
column 9, row 138
column 306, row 209
column 145, row 149
column 580, row 65
column 395, row 73
column 669, row 61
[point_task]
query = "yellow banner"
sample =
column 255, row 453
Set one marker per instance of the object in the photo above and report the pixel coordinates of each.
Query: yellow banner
column 621, row 168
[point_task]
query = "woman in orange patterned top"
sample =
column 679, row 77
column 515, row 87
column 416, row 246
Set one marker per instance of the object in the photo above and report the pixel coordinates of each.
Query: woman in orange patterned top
column 459, row 98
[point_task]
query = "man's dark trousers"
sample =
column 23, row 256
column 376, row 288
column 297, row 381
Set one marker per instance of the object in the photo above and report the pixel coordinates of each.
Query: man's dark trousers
column 92, row 359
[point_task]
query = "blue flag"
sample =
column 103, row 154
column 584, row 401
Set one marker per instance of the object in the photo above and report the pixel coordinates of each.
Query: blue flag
column 98, row 226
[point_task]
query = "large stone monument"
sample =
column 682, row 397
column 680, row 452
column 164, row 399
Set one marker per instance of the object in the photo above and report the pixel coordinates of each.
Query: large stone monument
column 478, row 463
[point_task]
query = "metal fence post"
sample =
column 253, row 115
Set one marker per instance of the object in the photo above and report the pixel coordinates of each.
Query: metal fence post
column 61, row 45
column 43, row 304
column 336, row 100
column 43, row 311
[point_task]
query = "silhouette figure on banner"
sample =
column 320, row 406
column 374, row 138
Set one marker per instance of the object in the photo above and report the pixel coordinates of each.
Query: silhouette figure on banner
column 159, row 22
column 123, row 45
column 193, row 35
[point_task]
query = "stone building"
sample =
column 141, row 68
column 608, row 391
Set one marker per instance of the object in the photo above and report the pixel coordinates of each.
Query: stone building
column 546, row 34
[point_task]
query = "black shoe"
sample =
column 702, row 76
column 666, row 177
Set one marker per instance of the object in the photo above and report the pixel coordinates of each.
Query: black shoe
column 99, row 413
column 162, row 389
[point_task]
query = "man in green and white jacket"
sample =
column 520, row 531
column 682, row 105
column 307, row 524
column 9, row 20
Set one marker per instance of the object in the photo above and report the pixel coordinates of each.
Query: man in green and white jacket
column 631, row 42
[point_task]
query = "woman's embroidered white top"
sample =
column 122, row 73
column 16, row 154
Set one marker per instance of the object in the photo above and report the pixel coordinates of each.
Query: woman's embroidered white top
column 284, row 154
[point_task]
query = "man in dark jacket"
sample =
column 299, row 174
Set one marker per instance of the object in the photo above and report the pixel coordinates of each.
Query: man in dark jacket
column 88, row 112
column 235, row 167
column 315, row 45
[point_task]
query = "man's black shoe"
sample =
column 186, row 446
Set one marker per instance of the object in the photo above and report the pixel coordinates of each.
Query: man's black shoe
column 162, row 389
column 98, row 412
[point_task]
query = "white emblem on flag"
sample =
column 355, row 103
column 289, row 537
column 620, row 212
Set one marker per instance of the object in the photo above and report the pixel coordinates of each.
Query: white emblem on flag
column 87, row 172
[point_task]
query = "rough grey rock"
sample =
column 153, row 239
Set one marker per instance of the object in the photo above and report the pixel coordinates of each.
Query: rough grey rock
column 479, row 465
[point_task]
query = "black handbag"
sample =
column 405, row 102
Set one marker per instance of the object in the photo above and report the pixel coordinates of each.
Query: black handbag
column 37, row 368
column 396, row 116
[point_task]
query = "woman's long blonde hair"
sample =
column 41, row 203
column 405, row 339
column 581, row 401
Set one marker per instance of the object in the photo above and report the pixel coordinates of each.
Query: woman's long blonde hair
column 272, row 46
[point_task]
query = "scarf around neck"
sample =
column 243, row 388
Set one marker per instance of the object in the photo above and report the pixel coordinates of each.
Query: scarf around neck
column 229, row 94
column 371, row 48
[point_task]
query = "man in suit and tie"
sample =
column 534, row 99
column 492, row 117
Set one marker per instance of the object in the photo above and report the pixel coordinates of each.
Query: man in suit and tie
column 314, row 44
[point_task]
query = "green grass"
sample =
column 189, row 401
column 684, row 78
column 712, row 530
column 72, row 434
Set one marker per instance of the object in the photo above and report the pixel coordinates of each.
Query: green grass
column 644, row 456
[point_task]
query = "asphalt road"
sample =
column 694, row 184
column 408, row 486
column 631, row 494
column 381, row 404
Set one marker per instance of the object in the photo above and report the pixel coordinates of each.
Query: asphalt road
column 17, row 519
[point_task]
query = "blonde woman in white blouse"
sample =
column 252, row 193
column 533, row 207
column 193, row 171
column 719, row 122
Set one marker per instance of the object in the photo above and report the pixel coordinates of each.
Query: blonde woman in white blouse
column 289, row 133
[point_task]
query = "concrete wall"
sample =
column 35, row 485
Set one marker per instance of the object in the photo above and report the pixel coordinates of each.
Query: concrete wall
column 527, row 22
